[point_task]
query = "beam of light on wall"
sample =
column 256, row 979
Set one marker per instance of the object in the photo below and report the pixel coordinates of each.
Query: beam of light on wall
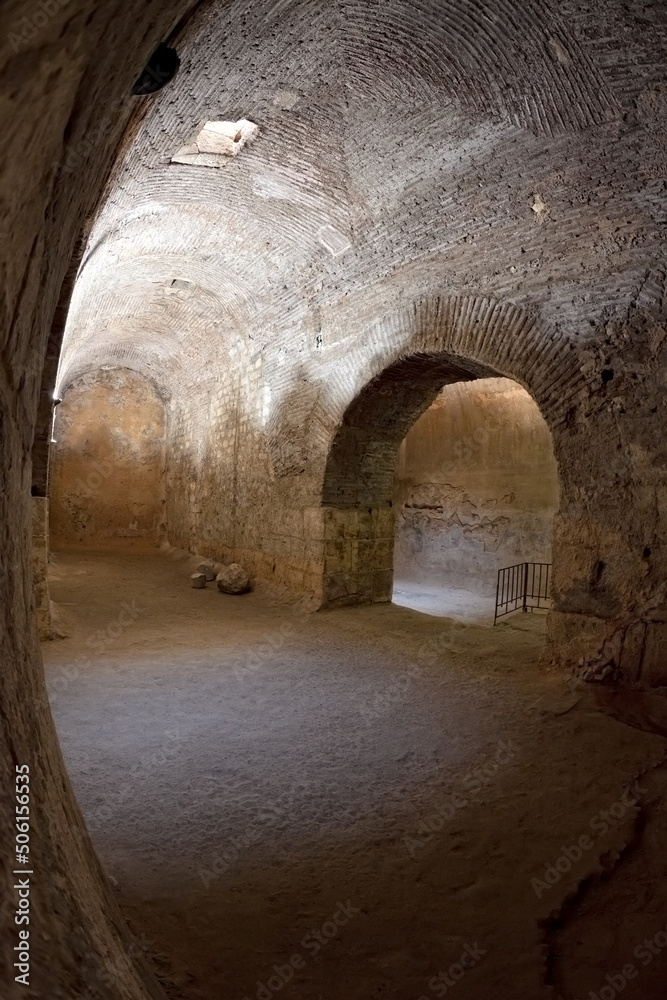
column 267, row 398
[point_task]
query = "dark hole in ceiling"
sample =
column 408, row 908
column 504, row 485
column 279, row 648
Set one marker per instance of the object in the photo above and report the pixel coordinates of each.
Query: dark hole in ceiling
column 159, row 70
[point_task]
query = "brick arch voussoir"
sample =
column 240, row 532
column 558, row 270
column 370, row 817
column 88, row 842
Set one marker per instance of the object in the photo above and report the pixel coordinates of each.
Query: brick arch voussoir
column 415, row 352
column 505, row 338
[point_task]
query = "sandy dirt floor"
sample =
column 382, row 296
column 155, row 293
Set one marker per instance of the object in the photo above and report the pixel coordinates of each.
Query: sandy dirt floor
column 361, row 804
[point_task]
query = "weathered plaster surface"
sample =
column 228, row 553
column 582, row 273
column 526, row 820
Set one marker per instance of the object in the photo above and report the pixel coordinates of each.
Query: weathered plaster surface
column 107, row 466
column 476, row 487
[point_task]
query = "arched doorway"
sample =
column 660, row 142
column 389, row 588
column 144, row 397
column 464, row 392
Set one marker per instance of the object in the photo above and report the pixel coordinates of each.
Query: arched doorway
column 359, row 485
column 476, row 489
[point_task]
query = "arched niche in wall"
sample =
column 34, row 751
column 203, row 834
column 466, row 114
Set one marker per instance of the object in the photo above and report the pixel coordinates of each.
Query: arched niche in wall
column 107, row 466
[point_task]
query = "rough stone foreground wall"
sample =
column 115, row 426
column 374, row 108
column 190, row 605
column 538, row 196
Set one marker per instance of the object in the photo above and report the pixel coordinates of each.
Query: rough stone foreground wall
column 476, row 487
column 65, row 98
column 107, row 466
column 40, row 566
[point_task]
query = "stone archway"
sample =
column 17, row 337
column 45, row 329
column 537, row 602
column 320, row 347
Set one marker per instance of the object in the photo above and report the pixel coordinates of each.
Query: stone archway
column 608, row 616
column 453, row 340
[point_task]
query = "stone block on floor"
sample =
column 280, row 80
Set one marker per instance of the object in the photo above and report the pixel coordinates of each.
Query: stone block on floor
column 233, row 580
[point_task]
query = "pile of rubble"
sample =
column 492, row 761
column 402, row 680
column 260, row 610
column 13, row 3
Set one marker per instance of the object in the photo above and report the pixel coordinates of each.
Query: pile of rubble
column 231, row 579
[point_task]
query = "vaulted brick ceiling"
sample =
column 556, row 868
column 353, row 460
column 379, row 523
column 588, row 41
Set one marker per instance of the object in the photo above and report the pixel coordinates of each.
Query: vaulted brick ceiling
column 496, row 148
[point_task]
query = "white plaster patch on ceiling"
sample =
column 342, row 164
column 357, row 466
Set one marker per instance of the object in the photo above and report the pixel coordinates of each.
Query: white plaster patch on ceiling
column 303, row 187
column 143, row 212
column 335, row 241
column 285, row 99
column 266, row 401
column 559, row 50
column 216, row 143
column 539, row 206
column 180, row 286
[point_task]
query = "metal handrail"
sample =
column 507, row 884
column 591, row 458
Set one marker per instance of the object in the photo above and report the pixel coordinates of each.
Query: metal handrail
column 522, row 587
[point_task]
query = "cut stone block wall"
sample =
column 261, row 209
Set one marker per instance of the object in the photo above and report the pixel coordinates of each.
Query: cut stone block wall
column 358, row 555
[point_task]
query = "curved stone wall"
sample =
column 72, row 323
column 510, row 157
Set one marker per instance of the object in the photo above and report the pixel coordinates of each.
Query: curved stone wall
column 65, row 80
